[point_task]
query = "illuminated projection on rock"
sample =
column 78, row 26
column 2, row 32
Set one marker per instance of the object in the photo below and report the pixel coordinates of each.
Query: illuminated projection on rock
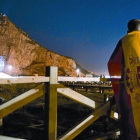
column 2, row 63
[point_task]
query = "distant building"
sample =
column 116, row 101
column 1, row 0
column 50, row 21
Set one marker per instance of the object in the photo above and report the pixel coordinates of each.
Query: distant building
column 89, row 75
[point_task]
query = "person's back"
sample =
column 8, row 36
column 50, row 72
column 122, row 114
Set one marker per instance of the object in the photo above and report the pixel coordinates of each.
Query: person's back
column 126, row 60
column 131, row 47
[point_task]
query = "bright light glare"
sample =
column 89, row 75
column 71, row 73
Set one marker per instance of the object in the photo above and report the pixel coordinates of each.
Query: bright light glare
column 118, row 133
column 9, row 67
column 107, row 99
column 77, row 70
column 116, row 115
column 115, row 77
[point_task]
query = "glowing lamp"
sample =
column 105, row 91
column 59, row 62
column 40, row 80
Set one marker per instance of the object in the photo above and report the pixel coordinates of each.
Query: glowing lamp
column 77, row 70
column 116, row 115
column 9, row 67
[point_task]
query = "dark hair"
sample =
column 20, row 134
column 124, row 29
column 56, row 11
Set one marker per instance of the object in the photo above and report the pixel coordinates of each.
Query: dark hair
column 133, row 25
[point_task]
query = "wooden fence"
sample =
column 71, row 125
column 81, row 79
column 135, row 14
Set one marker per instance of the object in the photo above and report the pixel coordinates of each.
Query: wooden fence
column 50, row 87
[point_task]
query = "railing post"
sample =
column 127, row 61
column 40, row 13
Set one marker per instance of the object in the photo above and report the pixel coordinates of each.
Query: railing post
column 51, row 104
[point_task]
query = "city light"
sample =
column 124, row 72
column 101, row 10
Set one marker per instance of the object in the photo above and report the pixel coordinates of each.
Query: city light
column 78, row 70
column 116, row 115
column 9, row 67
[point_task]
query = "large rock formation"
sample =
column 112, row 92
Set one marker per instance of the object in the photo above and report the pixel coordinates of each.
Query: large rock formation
column 20, row 55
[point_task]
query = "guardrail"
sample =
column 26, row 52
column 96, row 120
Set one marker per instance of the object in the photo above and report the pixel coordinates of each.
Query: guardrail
column 50, row 87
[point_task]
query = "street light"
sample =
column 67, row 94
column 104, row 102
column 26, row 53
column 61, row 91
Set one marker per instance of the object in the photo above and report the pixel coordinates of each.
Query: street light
column 77, row 72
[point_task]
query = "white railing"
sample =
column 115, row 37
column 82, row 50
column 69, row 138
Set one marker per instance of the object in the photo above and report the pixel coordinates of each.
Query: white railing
column 38, row 79
column 50, row 87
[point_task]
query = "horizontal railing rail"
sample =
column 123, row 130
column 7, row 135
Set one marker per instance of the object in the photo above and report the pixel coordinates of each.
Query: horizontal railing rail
column 37, row 79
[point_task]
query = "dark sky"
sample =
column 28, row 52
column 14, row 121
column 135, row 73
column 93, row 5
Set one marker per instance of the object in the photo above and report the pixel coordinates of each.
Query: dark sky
column 86, row 30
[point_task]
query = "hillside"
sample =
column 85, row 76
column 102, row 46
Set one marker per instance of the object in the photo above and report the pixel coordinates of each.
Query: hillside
column 21, row 55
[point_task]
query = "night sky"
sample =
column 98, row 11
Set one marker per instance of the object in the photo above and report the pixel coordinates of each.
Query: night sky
column 86, row 30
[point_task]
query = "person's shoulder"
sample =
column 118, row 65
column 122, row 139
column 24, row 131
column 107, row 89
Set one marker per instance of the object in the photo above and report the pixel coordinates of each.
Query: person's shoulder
column 124, row 37
column 119, row 42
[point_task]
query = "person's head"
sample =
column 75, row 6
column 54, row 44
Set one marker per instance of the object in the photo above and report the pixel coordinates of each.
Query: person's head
column 133, row 25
